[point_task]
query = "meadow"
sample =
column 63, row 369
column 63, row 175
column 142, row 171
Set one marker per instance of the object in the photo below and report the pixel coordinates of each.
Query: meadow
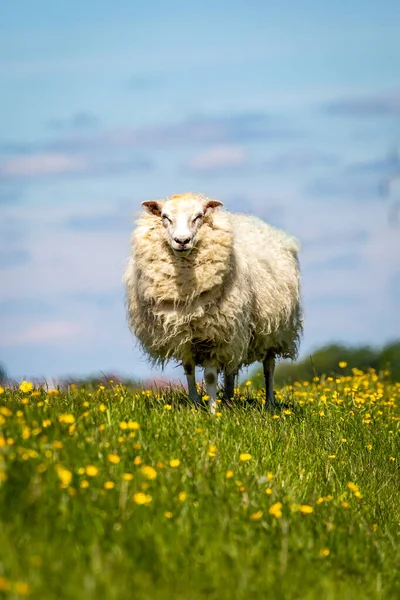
column 118, row 493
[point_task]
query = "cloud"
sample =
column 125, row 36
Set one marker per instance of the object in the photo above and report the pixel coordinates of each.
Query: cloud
column 45, row 332
column 218, row 159
column 300, row 160
column 78, row 121
column 48, row 165
column 383, row 105
column 14, row 258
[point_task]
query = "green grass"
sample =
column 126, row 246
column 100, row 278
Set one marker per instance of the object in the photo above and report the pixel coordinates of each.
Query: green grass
column 201, row 534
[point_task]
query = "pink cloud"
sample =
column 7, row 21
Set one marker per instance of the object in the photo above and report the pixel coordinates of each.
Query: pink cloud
column 47, row 332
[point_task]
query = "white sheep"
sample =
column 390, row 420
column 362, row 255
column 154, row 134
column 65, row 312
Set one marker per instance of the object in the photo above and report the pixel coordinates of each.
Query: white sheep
column 210, row 288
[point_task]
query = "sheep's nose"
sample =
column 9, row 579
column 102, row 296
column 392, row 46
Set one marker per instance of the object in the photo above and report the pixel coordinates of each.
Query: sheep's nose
column 182, row 242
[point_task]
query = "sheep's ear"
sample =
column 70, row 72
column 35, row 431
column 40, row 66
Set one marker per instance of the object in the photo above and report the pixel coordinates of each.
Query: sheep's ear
column 153, row 207
column 210, row 205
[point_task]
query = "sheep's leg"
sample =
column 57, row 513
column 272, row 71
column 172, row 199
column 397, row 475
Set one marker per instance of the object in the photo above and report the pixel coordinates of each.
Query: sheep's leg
column 191, row 381
column 269, row 367
column 229, row 384
column 211, row 376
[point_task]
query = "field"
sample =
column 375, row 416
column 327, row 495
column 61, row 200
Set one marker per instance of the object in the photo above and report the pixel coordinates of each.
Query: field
column 115, row 493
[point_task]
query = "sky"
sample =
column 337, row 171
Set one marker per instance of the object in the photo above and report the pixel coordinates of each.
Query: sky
column 289, row 111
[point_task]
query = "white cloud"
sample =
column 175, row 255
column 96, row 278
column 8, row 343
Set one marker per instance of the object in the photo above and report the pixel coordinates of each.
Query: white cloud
column 218, row 158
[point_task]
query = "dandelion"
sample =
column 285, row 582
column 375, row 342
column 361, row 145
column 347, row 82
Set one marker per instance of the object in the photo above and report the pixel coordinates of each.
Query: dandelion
column 182, row 496
column 324, row 552
column 4, row 584
column 229, row 474
column 102, row 407
column 127, row 476
column 175, row 462
column 343, row 364
column 57, row 444
column 332, row 456
column 142, row 498
column 66, row 418
column 137, row 461
column 113, row 458
column 305, row 509
column 2, row 390
column 167, row 407
column 149, row 472
column 257, row 515
column 276, row 510
column 212, row 450
column 133, row 425
column 345, row 505
column 65, row 475
column 168, row 514
column 21, row 588
column 245, row 456
column 369, row 447
column 352, row 487
column 248, row 383
column 268, row 491
column 392, row 458
column 26, row 386
column 91, row 471
column 84, row 483
column 123, row 425
column 206, row 398
column 109, row 485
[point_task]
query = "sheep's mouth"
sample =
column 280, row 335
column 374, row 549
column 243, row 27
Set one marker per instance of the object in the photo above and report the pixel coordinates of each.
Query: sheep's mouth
column 182, row 251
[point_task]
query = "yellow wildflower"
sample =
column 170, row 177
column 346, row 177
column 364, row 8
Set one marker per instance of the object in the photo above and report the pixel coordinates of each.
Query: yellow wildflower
column 91, row 471
column 113, row 458
column 2, row 390
column 175, row 462
column 133, row 425
column 343, row 364
column 248, row 383
column 324, row 552
column 305, row 509
column 137, row 461
column 26, row 386
column 109, row 485
column 149, row 472
column 65, row 475
column 123, row 425
column 268, row 491
column 257, row 515
column 127, row 476
column 276, row 510
column 182, row 497
column 168, row 514
column 21, row 588
column 66, row 418
column 84, row 484
column 167, row 406
column 4, row 584
column 245, row 456
column 142, row 498
column 229, row 474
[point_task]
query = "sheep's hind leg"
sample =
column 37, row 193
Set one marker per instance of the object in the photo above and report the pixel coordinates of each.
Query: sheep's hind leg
column 211, row 377
column 191, row 381
column 229, row 385
column 269, row 367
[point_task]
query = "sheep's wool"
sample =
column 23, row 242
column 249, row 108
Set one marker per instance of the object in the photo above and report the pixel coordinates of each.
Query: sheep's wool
column 236, row 296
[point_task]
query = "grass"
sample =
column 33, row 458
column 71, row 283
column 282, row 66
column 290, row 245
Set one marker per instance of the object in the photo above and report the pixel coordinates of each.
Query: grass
column 300, row 503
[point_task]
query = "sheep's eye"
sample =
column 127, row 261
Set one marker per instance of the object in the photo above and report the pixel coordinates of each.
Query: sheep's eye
column 197, row 217
column 166, row 219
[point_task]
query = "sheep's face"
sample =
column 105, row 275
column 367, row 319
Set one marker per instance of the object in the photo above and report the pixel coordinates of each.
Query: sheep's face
column 182, row 217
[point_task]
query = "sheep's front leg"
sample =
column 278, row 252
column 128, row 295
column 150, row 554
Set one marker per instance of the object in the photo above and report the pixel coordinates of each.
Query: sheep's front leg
column 211, row 376
column 229, row 384
column 269, row 367
column 191, row 381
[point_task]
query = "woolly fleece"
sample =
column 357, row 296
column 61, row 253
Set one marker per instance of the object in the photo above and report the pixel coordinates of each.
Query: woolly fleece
column 235, row 297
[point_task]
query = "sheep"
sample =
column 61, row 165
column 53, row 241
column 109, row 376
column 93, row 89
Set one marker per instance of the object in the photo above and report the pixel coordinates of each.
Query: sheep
column 206, row 287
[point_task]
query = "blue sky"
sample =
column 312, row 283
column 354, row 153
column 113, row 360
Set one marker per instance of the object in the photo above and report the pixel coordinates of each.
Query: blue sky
column 290, row 111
